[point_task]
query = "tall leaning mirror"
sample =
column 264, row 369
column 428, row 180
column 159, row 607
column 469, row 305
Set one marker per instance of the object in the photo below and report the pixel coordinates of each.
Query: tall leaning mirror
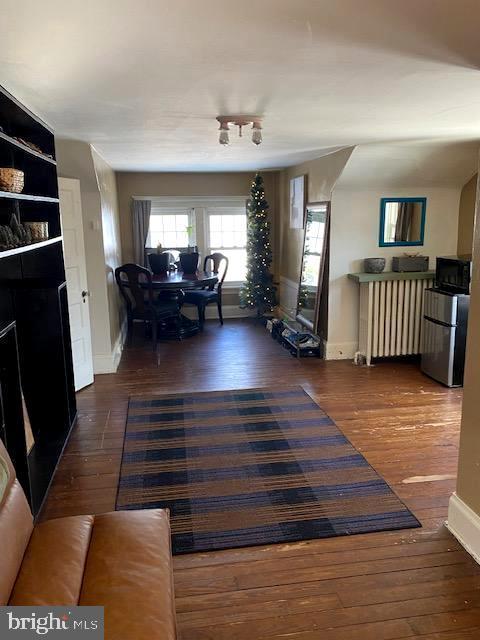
column 313, row 263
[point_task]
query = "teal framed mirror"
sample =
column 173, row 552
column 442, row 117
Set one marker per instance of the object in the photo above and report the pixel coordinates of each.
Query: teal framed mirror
column 402, row 222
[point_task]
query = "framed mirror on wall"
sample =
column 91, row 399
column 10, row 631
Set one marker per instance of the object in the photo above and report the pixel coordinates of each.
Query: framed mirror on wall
column 402, row 222
column 313, row 267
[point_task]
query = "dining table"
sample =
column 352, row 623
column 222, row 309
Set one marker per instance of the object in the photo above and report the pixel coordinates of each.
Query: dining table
column 171, row 286
column 177, row 280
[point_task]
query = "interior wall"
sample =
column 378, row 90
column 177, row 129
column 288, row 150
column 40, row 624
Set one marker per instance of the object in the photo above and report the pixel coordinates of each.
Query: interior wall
column 187, row 184
column 466, row 216
column 111, row 243
column 468, row 481
column 75, row 159
column 355, row 223
column 322, row 175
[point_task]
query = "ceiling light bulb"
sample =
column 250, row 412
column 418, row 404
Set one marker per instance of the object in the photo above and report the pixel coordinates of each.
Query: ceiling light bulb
column 257, row 133
column 223, row 138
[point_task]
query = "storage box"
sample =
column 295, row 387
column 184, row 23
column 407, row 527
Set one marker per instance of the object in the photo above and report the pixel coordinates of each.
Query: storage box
column 410, row 263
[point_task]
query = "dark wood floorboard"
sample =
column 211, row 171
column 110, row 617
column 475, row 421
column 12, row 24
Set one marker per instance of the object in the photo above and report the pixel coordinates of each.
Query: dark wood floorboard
column 406, row 584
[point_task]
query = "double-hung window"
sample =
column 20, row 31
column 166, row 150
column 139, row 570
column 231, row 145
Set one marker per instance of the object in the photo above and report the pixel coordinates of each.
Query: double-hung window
column 227, row 234
column 171, row 227
column 214, row 225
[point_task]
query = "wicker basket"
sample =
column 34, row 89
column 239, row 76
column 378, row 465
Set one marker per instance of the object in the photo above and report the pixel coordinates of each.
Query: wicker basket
column 11, row 180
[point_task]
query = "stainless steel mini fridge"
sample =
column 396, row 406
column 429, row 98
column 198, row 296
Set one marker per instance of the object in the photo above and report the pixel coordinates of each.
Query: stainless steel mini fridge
column 444, row 334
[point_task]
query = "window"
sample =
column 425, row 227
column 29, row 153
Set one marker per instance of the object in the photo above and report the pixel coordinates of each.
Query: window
column 227, row 234
column 212, row 224
column 171, row 227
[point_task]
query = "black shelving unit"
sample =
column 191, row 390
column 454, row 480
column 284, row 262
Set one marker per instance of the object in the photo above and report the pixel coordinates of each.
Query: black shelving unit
column 33, row 309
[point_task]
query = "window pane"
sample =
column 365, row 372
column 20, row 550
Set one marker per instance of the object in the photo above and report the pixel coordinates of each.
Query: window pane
column 240, row 238
column 169, row 229
column 230, row 228
column 216, row 239
column 181, row 223
column 166, row 239
column 215, row 223
column 237, row 268
column 240, row 223
column 228, row 239
column 228, row 235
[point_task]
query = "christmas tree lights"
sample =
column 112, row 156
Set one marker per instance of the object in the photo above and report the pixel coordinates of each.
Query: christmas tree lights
column 258, row 291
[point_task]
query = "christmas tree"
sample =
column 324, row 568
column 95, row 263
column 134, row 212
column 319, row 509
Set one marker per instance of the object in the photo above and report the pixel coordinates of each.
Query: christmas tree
column 258, row 291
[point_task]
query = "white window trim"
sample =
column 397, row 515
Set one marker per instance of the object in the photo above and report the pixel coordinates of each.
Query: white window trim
column 195, row 201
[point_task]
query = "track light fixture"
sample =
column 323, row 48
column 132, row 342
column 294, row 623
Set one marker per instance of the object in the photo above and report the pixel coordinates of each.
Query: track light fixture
column 240, row 122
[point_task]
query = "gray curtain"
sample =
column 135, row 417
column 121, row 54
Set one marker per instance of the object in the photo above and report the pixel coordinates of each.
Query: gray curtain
column 404, row 221
column 141, row 221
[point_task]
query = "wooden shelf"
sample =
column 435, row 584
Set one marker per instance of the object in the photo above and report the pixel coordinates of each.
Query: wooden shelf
column 29, row 247
column 26, row 196
column 24, row 147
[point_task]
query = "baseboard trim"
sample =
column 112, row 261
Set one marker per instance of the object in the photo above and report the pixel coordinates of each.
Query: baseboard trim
column 104, row 363
column 464, row 524
column 108, row 362
column 211, row 312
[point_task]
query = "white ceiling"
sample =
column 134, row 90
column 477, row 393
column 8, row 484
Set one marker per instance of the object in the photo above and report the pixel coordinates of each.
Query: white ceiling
column 428, row 163
column 144, row 79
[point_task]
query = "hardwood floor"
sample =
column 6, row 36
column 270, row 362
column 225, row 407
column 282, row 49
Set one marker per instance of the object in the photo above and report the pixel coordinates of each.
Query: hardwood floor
column 407, row 584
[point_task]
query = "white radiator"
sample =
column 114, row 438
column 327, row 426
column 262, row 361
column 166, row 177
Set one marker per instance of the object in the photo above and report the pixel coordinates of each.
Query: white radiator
column 390, row 317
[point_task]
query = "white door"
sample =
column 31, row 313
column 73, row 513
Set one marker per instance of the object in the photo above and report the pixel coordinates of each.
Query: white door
column 76, row 272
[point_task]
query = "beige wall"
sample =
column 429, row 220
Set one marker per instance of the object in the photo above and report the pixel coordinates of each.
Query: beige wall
column 111, row 241
column 188, row 184
column 468, row 482
column 466, row 217
column 77, row 159
column 322, row 174
column 354, row 236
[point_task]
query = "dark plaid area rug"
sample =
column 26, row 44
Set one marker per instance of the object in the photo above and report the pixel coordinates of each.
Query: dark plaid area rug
column 250, row 467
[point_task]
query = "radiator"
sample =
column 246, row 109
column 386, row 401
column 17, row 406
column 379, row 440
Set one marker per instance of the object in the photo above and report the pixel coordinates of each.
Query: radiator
column 390, row 315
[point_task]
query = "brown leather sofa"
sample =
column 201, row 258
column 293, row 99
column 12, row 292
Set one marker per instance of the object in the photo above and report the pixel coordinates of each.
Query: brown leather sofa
column 121, row 560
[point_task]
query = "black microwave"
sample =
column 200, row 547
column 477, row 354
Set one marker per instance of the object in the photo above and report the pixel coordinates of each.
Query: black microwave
column 453, row 274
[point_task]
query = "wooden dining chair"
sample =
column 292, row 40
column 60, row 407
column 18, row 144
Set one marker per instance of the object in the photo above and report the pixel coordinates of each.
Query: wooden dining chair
column 205, row 296
column 136, row 287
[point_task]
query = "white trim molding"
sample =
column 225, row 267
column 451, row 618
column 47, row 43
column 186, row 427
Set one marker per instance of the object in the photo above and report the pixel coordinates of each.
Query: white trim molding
column 195, row 201
column 211, row 312
column 464, row 524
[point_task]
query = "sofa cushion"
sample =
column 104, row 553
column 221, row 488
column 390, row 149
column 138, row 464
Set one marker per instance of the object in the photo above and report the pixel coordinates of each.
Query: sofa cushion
column 129, row 572
column 16, row 524
column 15, row 529
column 53, row 566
